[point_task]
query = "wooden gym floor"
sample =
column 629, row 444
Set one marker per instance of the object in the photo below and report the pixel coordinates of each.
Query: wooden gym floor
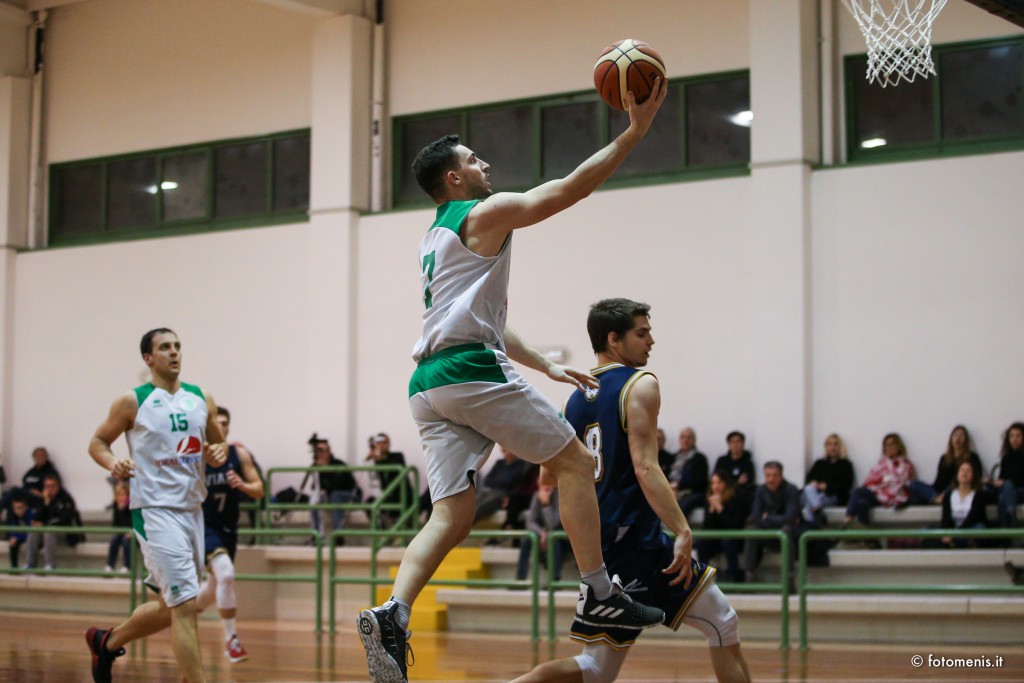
column 48, row 648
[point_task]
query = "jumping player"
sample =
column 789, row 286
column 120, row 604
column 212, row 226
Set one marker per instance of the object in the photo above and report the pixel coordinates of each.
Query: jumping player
column 224, row 486
column 618, row 423
column 171, row 431
column 465, row 394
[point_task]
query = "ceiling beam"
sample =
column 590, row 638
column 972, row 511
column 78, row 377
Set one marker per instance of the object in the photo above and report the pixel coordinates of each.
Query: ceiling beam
column 319, row 9
column 1011, row 10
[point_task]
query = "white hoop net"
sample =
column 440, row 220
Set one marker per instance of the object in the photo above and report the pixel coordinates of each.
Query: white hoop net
column 898, row 34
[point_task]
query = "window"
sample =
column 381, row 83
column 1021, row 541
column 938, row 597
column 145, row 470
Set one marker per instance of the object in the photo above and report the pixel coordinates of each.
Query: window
column 974, row 101
column 702, row 130
column 256, row 181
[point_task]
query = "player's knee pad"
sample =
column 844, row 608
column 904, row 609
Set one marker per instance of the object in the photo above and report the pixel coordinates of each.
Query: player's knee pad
column 224, row 570
column 600, row 664
column 712, row 615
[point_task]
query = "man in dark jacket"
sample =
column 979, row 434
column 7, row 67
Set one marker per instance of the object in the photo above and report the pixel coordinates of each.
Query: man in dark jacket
column 738, row 463
column 776, row 506
column 56, row 507
column 334, row 487
column 689, row 473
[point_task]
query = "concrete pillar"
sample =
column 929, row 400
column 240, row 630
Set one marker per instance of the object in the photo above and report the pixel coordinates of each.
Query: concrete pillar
column 339, row 191
column 785, row 141
column 15, row 106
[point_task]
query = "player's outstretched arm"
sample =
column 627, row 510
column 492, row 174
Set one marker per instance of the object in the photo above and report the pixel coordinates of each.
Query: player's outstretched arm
column 121, row 419
column 521, row 352
column 642, row 407
column 507, row 211
column 215, row 450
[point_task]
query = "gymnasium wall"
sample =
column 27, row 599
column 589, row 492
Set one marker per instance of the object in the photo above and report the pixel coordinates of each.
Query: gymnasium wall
column 913, row 298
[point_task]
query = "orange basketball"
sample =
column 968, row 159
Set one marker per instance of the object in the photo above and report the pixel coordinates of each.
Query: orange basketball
column 624, row 66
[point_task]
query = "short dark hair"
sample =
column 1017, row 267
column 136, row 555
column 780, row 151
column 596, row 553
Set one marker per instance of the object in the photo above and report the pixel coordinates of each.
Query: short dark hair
column 146, row 345
column 773, row 465
column 434, row 161
column 733, row 433
column 221, row 410
column 612, row 315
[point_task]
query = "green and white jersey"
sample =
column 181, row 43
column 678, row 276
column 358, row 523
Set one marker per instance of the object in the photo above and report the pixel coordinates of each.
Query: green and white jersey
column 465, row 294
column 166, row 444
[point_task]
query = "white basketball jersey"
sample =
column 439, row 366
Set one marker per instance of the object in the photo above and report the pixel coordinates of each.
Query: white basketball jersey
column 166, row 444
column 465, row 294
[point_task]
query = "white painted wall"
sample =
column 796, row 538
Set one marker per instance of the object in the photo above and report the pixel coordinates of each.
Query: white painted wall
column 130, row 75
column 914, row 301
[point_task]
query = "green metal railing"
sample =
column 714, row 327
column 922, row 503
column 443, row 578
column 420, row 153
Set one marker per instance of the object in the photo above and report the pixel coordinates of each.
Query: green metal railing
column 374, row 579
column 397, row 497
column 781, row 587
column 317, row 577
column 804, row 588
column 134, row 575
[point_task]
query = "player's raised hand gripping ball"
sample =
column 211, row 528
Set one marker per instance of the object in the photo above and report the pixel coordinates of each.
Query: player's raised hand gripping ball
column 624, row 66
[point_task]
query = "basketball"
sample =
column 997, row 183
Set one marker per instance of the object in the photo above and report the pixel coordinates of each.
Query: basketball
column 624, row 66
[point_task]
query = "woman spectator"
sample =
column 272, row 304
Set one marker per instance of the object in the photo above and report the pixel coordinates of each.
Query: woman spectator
column 829, row 481
column 963, row 507
column 886, row 483
column 958, row 451
column 723, row 513
column 1010, row 482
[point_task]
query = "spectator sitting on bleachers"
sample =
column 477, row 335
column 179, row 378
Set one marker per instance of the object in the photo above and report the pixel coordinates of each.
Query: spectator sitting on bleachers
column 886, row 483
column 828, row 482
column 738, row 463
column 688, row 474
column 509, row 485
column 963, row 507
column 958, row 451
column 542, row 518
column 20, row 514
column 722, row 514
column 776, row 506
column 329, row 487
column 56, row 508
column 1010, row 483
column 32, row 481
column 121, row 518
column 380, row 453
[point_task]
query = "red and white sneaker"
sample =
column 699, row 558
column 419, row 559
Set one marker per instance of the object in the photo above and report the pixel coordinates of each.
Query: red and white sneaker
column 234, row 651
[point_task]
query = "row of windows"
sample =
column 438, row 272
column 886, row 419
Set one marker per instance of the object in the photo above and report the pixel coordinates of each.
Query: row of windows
column 976, row 97
column 185, row 189
column 975, row 101
column 703, row 125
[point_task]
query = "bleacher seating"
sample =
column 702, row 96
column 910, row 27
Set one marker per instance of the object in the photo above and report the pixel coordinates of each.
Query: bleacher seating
column 972, row 618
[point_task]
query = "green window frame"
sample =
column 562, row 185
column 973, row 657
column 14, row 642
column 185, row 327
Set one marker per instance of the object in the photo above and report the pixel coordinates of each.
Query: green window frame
column 105, row 199
column 667, row 145
column 921, row 106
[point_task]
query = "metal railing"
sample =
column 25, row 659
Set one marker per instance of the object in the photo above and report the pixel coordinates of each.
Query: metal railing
column 134, row 574
column 317, row 577
column 398, row 497
column 374, row 579
column 804, row 588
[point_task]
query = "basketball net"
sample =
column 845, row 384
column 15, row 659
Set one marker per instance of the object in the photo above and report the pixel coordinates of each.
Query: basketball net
column 898, row 34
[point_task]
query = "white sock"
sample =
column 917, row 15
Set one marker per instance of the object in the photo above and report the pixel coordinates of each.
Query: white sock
column 229, row 628
column 598, row 581
column 404, row 612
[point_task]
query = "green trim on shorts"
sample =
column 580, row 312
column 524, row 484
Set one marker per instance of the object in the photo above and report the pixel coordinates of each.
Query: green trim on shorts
column 456, row 365
column 138, row 524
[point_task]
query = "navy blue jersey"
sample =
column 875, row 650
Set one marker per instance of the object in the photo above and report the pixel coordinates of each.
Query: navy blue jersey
column 220, row 509
column 599, row 418
column 632, row 542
